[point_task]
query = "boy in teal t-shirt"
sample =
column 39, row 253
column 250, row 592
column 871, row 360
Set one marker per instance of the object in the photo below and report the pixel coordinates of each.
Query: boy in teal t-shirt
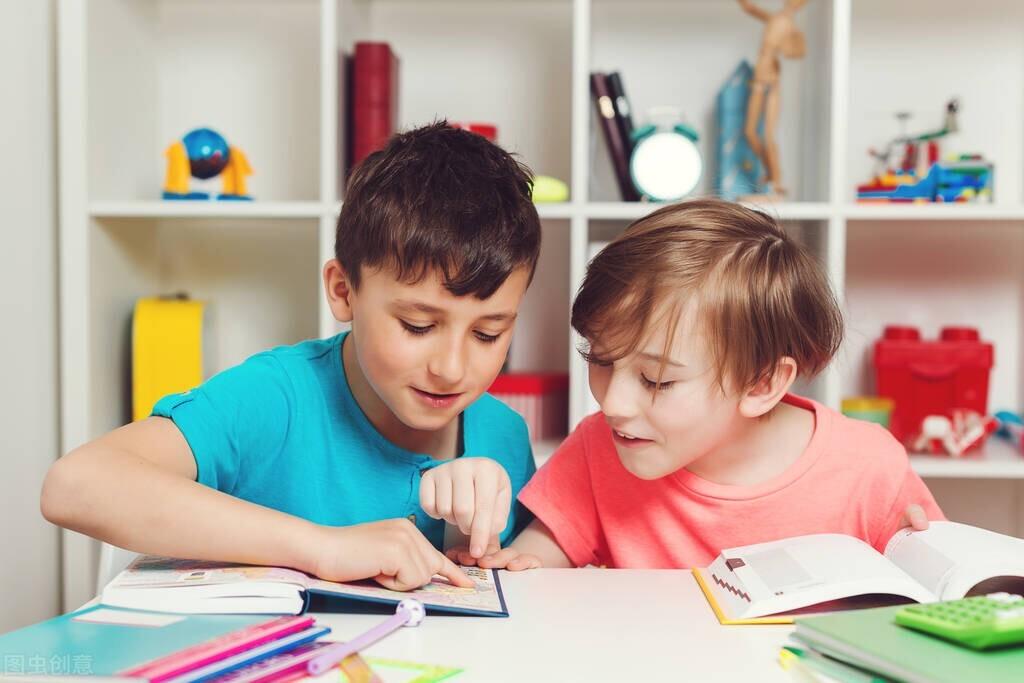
column 345, row 457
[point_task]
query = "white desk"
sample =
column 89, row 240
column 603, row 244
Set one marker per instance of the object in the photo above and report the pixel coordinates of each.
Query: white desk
column 587, row 625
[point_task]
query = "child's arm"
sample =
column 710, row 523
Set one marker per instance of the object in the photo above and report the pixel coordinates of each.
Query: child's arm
column 534, row 548
column 136, row 488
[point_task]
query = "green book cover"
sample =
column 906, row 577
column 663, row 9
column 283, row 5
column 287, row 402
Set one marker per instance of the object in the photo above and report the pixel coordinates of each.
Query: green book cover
column 871, row 640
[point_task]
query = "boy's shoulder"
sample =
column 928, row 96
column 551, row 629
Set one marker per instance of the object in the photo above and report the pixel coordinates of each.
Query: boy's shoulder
column 288, row 369
column 870, row 443
column 303, row 351
column 295, row 360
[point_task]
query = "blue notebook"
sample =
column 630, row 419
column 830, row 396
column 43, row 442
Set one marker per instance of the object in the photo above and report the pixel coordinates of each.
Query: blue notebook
column 101, row 640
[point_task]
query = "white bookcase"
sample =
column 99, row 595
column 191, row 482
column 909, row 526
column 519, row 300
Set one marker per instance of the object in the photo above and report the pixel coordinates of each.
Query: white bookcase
column 135, row 75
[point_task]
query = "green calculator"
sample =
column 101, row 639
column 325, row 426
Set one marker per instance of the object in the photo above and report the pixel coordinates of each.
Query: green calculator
column 980, row 622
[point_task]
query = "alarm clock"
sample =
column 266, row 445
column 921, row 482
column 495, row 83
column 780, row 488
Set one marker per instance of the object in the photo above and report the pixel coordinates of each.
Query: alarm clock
column 665, row 164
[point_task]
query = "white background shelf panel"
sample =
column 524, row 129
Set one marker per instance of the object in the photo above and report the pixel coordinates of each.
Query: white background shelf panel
column 679, row 54
column 159, row 68
column 914, row 56
column 998, row 459
column 933, row 212
column 206, row 209
column 780, row 210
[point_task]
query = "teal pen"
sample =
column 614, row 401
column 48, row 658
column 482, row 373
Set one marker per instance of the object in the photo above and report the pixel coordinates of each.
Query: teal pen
column 833, row 668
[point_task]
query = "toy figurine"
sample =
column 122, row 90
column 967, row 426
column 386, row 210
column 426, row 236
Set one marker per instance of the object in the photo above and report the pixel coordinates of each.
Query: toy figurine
column 920, row 176
column 204, row 153
column 965, row 431
column 782, row 38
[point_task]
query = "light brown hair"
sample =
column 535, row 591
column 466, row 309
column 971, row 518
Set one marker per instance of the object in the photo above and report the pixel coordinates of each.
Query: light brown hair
column 760, row 295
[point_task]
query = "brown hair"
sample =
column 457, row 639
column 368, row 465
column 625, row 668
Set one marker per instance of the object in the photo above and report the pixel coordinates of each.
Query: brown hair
column 440, row 198
column 760, row 295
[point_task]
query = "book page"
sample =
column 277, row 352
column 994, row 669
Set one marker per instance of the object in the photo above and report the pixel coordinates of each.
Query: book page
column 484, row 597
column 165, row 572
column 782, row 576
column 950, row 558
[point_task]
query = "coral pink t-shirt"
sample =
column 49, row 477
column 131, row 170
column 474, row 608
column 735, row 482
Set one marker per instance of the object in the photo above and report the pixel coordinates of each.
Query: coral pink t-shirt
column 853, row 478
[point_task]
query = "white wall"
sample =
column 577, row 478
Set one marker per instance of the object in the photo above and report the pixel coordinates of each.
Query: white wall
column 28, row 339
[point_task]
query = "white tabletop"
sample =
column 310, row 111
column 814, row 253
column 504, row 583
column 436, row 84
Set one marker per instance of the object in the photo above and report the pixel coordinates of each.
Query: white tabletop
column 587, row 625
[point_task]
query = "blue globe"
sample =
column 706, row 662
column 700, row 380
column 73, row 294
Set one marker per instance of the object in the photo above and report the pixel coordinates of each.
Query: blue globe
column 207, row 152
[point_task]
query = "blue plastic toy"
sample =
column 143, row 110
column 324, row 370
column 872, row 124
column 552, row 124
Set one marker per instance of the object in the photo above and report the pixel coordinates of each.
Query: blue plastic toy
column 738, row 168
column 203, row 153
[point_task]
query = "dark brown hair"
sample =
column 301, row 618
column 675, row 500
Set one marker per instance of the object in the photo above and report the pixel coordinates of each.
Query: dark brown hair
column 760, row 296
column 438, row 198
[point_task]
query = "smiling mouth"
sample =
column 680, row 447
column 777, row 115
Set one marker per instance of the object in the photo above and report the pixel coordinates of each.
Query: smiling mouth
column 628, row 439
column 437, row 400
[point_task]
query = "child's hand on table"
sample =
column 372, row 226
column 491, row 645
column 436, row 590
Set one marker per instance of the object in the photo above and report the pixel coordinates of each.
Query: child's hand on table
column 393, row 552
column 915, row 517
column 503, row 558
column 474, row 494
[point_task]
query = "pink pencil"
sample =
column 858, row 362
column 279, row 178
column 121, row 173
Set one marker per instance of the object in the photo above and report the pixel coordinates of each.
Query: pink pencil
column 217, row 649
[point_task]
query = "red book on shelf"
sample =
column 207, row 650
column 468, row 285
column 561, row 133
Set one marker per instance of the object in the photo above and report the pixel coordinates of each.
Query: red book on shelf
column 374, row 98
column 618, row 146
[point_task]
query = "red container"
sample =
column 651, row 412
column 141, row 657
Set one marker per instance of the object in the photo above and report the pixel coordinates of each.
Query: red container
column 541, row 398
column 931, row 377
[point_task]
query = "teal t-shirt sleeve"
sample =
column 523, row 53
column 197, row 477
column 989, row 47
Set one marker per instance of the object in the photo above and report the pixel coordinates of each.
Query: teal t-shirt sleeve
column 238, row 415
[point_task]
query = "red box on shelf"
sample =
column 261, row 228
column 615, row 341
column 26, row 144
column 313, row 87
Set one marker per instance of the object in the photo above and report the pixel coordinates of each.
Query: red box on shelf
column 541, row 398
column 931, row 377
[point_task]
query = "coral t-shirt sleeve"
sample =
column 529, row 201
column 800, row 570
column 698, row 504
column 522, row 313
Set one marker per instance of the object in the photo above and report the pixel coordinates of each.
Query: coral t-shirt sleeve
column 561, row 496
column 912, row 491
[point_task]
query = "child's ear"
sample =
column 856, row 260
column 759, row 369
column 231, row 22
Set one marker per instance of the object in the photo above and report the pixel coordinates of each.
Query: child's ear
column 767, row 393
column 339, row 291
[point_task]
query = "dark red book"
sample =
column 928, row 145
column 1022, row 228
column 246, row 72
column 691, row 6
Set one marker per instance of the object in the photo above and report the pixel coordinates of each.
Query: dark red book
column 374, row 99
column 618, row 145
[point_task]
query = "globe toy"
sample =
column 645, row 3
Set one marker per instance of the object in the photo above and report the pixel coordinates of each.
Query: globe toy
column 207, row 152
column 203, row 153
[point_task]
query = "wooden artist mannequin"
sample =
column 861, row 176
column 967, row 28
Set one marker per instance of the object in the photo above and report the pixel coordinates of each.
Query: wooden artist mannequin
column 782, row 38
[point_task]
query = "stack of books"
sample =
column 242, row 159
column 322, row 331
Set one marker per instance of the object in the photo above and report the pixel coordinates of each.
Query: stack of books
column 868, row 645
column 163, row 648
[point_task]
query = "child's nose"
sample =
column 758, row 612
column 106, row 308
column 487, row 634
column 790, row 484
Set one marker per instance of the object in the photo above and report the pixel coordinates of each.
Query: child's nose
column 447, row 365
column 618, row 400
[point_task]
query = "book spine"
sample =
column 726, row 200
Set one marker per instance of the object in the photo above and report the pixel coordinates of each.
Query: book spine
column 374, row 98
column 617, row 148
column 219, row 648
column 623, row 110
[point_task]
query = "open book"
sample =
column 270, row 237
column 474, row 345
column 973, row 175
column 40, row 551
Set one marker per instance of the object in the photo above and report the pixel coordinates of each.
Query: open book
column 772, row 582
column 162, row 584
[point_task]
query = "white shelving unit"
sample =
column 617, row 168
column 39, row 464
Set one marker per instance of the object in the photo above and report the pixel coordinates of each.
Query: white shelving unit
column 135, row 75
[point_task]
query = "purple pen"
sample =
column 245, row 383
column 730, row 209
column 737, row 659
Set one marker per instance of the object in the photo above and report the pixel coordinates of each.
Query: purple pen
column 409, row 613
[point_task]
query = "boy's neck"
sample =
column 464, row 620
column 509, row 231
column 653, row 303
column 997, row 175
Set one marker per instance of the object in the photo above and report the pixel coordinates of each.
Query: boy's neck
column 762, row 448
column 441, row 444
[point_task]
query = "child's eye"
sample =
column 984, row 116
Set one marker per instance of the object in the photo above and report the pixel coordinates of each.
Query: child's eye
column 414, row 329
column 486, row 338
column 652, row 384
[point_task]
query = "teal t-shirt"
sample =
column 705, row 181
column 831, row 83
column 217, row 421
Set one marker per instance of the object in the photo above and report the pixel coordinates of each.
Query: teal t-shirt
column 284, row 431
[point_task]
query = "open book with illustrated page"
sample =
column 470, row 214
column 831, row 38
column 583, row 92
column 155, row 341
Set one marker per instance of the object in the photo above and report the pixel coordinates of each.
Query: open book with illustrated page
column 773, row 582
column 162, row 584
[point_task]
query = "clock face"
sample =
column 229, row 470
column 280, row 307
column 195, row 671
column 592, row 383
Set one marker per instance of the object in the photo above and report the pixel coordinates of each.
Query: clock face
column 666, row 166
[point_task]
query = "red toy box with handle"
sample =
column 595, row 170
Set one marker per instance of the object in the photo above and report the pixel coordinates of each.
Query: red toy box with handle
column 931, row 377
